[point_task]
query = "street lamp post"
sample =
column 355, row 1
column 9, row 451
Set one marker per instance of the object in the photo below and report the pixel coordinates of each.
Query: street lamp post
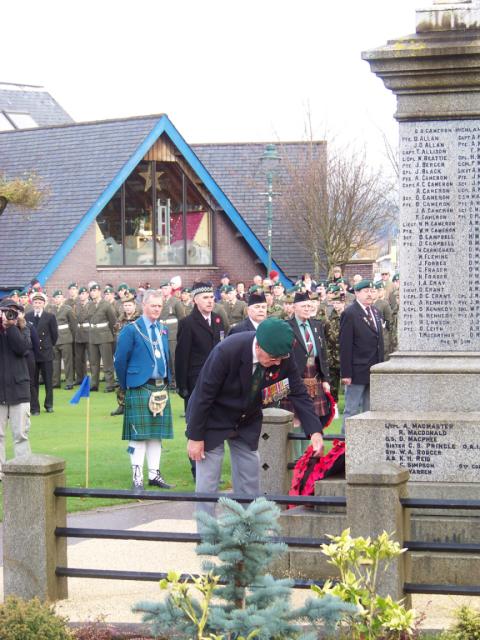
column 269, row 160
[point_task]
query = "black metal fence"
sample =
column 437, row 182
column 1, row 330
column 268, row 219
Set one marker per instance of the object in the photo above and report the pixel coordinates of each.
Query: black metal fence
column 293, row 542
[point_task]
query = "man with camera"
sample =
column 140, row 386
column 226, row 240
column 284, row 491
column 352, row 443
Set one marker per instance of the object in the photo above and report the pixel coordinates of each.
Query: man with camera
column 14, row 380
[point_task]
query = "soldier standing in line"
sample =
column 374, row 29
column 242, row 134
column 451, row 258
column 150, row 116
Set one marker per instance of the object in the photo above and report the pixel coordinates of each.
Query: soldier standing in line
column 81, row 311
column 387, row 317
column 332, row 333
column 186, row 300
column 287, row 306
column 25, row 301
column 102, row 320
column 278, row 291
column 109, row 296
column 63, row 349
column 122, row 290
column 235, row 309
column 131, row 312
column 172, row 313
column 72, row 294
column 273, row 309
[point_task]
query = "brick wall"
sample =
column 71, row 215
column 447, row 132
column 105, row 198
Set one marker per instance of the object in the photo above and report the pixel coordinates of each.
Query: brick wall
column 365, row 269
column 232, row 255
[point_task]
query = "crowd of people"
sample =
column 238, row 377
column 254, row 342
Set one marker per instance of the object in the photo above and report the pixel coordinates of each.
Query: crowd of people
column 149, row 341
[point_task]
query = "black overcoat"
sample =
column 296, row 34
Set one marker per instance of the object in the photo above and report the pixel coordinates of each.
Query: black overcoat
column 195, row 341
column 221, row 405
column 360, row 345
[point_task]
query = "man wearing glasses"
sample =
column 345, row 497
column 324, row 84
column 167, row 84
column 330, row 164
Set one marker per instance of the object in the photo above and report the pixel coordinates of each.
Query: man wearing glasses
column 361, row 346
column 242, row 374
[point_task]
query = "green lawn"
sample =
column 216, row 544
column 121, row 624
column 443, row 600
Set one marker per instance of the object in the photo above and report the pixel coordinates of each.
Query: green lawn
column 62, row 434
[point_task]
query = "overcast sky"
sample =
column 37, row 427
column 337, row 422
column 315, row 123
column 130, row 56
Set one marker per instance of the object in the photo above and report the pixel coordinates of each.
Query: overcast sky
column 223, row 70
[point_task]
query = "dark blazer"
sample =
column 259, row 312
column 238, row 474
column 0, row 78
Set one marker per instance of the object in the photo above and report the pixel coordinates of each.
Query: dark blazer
column 47, row 334
column 360, row 345
column 195, row 340
column 134, row 357
column 220, row 405
column 245, row 325
column 300, row 350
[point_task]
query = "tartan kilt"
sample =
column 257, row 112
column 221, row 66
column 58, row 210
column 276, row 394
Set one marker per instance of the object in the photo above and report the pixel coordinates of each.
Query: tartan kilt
column 320, row 402
column 139, row 423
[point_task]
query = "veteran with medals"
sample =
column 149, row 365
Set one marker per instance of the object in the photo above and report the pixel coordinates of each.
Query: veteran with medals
column 242, row 374
column 142, row 366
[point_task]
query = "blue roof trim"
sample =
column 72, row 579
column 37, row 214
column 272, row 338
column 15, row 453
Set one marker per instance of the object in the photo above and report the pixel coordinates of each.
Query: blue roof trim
column 164, row 125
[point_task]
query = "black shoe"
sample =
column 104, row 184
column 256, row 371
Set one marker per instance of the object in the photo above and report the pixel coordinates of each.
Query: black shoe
column 35, row 413
column 119, row 411
column 158, row 481
column 109, row 390
column 93, row 388
column 49, row 409
column 68, row 387
column 56, row 386
column 77, row 383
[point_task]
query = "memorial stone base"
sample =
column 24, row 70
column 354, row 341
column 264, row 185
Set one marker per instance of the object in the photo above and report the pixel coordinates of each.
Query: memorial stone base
column 425, row 416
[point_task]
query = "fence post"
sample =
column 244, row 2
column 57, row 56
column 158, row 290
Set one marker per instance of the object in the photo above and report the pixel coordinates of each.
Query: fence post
column 31, row 512
column 273, row 448
column 373, row 506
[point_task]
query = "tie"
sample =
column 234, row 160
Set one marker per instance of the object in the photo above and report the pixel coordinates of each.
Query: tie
column 256, row 381
column 308, row 339
column 36, row 319
column 371, row 319
column 156, row 350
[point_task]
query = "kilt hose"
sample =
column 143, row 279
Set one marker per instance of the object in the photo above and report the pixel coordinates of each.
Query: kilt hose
column 138, row 421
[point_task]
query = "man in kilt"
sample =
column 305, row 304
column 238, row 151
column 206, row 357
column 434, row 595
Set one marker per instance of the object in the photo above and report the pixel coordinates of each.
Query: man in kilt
column 310, row 353
column 142, row 366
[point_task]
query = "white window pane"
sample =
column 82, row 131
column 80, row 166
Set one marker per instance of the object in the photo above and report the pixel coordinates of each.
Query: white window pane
column 22, row 120
column 5, row 125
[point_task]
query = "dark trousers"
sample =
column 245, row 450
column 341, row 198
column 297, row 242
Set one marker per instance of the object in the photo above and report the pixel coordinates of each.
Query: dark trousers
column 80, row 357
column 34, row 406
column 47, row 374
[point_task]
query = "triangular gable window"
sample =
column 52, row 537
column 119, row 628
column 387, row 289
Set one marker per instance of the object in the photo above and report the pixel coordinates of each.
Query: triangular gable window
column 157, row 218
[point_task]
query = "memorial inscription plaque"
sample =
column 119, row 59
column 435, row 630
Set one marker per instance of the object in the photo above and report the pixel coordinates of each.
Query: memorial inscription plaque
column 440, row 235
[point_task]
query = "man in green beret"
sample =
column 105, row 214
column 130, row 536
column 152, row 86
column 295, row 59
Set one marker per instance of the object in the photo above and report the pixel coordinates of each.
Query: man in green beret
column 361, row 346
column 235, row 309
column 72, row 294
column 241, row 375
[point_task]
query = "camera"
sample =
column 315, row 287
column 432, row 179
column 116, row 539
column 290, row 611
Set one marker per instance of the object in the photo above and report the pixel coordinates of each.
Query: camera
column 10, row 314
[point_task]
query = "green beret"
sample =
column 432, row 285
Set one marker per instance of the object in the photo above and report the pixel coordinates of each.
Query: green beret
column 165, row 283
column 121, row 286
column 396, row 277
column 82, row 290
column 364, row 284
column 333, row 288
column 108, row 290
column 186, row 290
column 58, row 292
column 132, row 291
column 379, row 285
column 94, row 286
column 73, row 284
column 255, row 288
column 275, row 336
column 227, row 288
column 23, row 293
column 15, row 292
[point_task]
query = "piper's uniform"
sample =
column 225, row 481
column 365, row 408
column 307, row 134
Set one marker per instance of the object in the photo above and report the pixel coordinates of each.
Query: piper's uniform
column 63, row 349
column 102, row 320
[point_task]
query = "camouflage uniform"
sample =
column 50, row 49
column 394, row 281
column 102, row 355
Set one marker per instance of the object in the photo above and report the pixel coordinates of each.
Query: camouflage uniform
column 332, row 333
column 275, row 310
column 387, row 321
column 394, row 301
column 122, row 321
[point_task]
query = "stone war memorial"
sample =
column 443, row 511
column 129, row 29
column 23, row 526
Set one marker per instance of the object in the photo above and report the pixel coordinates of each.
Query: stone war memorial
column 425, row 401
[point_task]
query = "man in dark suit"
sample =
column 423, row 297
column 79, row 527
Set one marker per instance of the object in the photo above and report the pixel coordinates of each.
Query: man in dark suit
column 242, row 374
column 46, row 325
column 361, row 346
column 310, row 353
column 256, row 311
column 197, row 334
